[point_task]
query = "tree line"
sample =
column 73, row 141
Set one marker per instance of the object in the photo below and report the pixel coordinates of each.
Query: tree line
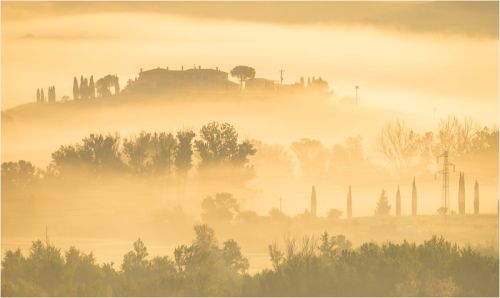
column 86, row 89
column 327, row 266
column 407, row 149
column 217, row 145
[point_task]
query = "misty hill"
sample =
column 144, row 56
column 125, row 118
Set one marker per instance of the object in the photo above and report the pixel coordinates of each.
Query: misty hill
column 170, row 83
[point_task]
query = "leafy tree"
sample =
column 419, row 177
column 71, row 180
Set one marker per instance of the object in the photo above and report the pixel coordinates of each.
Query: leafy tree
column 184, row 154
column 151, row 153
column 138, row 152
column 104, row 84
column 313, row 158
column 219, row 209
column 103, row 151
column 46, row 266
column 21, row 173
column 97, row 153
column 208, row 269
column 218, row 145
column 383, row 208
column 243, row 73
column 165, row 152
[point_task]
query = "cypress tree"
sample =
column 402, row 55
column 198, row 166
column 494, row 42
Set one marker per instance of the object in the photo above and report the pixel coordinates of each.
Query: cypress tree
column 92, row 87
column 414, row 199
column 54, row 93
column 84, row 89
column 42, row 96
column 476, row 198
column 398, row 203
column 76, row 92
column 349, row 203
column 383, row 208
column 313, row 202
column 461, row 194
column 38, row 95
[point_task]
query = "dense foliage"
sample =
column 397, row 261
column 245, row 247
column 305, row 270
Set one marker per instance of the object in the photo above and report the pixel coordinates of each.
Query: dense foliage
column 154, row 153
column 328, row 267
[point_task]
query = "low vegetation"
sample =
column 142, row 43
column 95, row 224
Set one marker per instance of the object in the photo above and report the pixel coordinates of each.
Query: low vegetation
column 325, row 267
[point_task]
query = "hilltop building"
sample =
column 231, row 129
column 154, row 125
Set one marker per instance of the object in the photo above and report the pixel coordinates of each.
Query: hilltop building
column 165, row 79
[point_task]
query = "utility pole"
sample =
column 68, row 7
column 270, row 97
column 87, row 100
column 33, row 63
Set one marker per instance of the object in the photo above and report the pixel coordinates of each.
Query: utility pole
column 445, row 172
column 356, row 87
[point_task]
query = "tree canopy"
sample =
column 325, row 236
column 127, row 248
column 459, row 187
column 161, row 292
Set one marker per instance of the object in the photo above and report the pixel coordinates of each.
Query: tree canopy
column 243, row 73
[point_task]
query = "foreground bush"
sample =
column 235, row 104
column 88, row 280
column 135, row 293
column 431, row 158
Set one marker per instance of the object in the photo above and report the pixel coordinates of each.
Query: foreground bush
column 328, row 267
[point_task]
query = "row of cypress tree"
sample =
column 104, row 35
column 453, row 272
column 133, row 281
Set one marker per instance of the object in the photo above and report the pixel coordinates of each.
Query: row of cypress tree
column 86, row 90
column 461, row 198
column 461, row 195
column 40, row 96
column 398, row 201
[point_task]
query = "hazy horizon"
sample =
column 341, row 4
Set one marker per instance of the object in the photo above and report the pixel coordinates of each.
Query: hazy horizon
column 374, row 122
column 407, row 70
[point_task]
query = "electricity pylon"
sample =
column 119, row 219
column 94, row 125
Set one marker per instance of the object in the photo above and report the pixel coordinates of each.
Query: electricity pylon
column 445, row 172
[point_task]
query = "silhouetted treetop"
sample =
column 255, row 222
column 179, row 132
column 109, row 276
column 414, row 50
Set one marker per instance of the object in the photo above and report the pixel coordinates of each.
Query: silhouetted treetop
column 218, row 144
column 243, row 73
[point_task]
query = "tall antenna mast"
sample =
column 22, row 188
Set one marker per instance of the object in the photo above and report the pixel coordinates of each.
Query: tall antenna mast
column 356, row 87
column 445, row 191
